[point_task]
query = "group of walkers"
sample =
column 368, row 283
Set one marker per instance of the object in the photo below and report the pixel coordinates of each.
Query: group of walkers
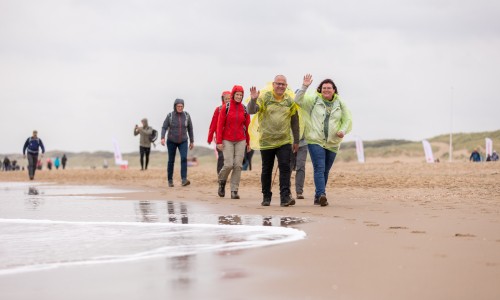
column 276, row 132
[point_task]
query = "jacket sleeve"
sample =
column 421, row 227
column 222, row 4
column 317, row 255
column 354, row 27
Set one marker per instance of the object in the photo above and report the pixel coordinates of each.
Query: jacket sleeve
column 346, row 119
column 26, row 145
column 136, row 131
column 42, row 146
column 165, row 126
column 213, row 125
column 295, row 127
column 221, row 124
column 190, row 130
column 253, row 107
column 299, row 97
column 247, row 124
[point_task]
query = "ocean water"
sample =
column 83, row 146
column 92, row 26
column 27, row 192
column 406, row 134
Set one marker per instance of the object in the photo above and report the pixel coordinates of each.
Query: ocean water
column 44, row 226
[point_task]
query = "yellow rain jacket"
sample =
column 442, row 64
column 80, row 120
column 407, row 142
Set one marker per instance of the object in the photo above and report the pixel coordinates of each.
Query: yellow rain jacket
column 323, row 119
column 271, row 127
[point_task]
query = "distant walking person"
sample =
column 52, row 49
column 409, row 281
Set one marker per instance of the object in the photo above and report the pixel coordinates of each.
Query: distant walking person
column 64, row 160
column 57, row 162
column 475, row 156
column 277, row 126
column 494, row 156
column 180, row 128
column 327, row 120
column 32, row 145
column 144, row 141
column 226, row 96
column 233, row 140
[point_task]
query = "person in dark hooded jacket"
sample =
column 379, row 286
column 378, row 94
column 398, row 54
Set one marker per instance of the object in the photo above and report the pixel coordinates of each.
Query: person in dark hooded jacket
column 179, row 126
column 32, row 146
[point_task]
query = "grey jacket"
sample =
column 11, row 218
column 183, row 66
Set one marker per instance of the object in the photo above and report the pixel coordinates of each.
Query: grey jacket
column 145, row 133
column 178, row 125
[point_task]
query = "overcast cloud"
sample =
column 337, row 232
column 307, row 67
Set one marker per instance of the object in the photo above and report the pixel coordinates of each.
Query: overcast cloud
column 83, row 72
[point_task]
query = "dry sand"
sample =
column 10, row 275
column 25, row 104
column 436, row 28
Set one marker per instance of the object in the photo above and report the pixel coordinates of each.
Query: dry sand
column 400, row 230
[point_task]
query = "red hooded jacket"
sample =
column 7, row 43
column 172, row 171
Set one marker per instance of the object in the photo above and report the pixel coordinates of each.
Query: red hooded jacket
column 215, row 118
column 233, row 126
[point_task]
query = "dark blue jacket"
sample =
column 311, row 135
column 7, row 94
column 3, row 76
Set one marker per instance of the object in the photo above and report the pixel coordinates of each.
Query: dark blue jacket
column 33, row 144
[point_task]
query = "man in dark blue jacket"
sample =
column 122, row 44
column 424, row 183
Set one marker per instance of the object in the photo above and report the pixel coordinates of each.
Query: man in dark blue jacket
column 33, row 144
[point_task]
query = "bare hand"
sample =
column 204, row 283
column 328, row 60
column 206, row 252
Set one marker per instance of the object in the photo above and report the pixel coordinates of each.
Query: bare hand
column 254, row 94
column 220, row 147
column 249, row 148
column 191, row 146
column 307, row 80
column 340, row 134
column 162, row 142
column 295, row 148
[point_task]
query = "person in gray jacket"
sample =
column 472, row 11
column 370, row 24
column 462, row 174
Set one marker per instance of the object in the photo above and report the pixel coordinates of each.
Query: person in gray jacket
column 144, row 141
column 179, row 126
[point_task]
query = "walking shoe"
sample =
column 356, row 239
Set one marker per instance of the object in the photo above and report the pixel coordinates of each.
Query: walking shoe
column 222, row 188
column 266, row 201
column 316, row 200
column 287, row 201
column 323, row 201
column 170, row 183
column 185, row 182
column 234, row 195
column 300, row 196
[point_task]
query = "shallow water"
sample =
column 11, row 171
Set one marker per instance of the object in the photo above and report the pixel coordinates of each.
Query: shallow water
column 47, row 226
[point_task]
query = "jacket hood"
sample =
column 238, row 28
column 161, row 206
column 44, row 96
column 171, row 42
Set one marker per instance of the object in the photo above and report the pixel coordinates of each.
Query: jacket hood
column 178, row 101
column 237, row 88
column 223, row 94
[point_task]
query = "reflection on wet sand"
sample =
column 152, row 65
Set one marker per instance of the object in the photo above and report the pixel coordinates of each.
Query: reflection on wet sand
column 32, row 203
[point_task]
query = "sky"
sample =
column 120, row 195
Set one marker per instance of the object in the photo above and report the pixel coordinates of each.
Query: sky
column 85, row 72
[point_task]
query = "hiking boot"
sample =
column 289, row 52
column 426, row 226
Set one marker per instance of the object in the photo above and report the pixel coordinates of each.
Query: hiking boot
column 234, row 195
column 266, row 201
column 287, row 201
column 170, row 183
column 185, row 182
column 322, row 200
column 300, row 196
column 316, row 200
column 222, row 188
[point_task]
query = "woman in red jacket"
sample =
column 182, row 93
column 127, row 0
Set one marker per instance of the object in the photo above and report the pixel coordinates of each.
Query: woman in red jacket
column 226, row 96
column 233, row 140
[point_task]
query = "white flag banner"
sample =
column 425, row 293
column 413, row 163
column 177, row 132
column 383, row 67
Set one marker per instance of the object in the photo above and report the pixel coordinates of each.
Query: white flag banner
column 489, row 146
column 428, row 151
column 118, row 154
column 360, row 151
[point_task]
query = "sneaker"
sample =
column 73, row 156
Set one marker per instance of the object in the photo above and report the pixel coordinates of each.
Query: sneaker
column 300, row 196
column 323, row 201
column 234, row 195
column 266, row 201
column 170, row 183
column 185, row 182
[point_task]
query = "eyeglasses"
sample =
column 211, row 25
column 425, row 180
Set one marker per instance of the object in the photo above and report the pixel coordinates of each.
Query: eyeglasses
column 280, row 83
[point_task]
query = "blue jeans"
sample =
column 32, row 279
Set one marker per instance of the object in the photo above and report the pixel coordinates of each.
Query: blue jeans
column 183, row 150
column 322, row 160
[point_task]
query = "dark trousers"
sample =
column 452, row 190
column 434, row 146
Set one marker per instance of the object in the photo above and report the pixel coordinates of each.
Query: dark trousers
column 32, row 161
column 283, row 155
column 183, row 150
column 220, row 161
column 144, row 151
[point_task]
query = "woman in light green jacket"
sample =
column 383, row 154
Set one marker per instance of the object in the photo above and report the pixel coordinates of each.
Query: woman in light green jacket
column 326, row 120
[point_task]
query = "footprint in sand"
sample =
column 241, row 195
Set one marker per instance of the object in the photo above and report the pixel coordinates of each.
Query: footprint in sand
column 370, row 223
column 418, row 231
column 464, row 235
column 398, row 227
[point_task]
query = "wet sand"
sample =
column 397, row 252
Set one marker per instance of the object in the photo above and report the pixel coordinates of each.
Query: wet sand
column 401, row 230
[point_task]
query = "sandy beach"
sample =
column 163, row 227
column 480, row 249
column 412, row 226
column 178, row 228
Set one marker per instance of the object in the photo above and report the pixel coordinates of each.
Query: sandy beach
column 393, row 230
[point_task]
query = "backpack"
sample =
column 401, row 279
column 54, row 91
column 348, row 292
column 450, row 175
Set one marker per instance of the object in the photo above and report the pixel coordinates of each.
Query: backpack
column 185, row 113
column 153, row 136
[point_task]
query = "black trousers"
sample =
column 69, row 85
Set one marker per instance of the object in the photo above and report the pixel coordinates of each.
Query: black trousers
column 32, row 161
column 144, row 151
column 283, row 155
